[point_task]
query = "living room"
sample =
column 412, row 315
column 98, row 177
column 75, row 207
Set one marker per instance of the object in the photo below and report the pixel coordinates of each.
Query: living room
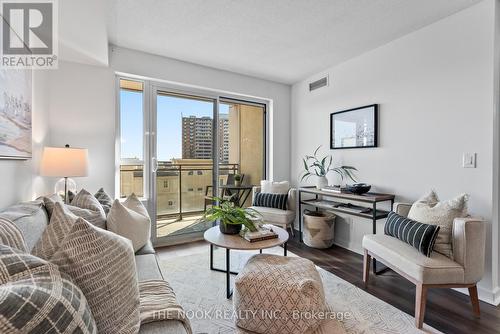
column 183, row 112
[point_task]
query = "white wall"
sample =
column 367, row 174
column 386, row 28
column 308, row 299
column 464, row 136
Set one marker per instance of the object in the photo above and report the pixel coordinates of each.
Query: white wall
column 19, row 178
column 82, row 114
column 82, row 31
column 435, row 92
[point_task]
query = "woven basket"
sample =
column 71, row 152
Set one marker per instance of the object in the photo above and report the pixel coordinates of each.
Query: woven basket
column 318, row 229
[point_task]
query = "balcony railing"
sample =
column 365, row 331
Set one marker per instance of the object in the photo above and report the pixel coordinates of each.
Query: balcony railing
column 181, row 188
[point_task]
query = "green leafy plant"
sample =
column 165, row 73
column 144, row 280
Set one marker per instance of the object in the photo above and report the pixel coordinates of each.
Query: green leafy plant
column 314, row 165
column 237, row 177
column 227, row 212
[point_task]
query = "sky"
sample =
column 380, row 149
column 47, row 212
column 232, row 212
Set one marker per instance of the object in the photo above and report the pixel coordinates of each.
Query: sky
column 169, row 123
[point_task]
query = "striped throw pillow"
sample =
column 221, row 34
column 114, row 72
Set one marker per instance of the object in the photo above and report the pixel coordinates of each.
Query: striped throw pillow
column 277, row 201
column 421, row 236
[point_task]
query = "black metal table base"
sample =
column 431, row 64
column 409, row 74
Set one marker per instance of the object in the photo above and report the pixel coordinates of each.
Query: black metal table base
column 229, row 291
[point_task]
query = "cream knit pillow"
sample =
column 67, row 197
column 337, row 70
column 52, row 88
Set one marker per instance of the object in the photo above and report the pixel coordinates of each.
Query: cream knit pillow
column 429, row 210
column 130, row 219
column 102, row 265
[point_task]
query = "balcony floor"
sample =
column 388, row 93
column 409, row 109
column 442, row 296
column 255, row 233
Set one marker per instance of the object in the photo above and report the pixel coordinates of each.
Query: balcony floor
column 173, row 226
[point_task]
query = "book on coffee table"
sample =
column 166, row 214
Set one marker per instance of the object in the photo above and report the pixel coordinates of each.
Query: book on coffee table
column 262, row 233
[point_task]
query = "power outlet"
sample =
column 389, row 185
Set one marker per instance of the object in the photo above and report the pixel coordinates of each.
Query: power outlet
column 469, row 160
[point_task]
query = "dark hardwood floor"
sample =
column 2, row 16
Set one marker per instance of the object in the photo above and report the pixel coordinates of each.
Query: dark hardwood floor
column 447, row 310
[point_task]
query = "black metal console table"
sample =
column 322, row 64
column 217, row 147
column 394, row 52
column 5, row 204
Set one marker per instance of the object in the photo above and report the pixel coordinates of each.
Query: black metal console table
column 346, row 206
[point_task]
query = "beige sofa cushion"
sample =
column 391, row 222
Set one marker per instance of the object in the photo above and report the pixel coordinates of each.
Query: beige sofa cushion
column 429, row 210
column 275, row 216
column 437, row 269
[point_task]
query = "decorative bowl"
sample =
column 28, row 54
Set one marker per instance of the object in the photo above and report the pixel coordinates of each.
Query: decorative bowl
column 358, row 188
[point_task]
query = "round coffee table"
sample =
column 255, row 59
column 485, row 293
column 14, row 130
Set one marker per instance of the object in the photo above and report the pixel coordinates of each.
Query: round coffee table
column 216, row 238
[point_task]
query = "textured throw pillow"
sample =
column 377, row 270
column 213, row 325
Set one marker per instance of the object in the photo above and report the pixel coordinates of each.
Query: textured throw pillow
column 35, row 297
column 102, row 264
column 61, row 222
column 104, row 199
column 421, row 236
column 86, row 206
column 277, row 201
column 11, row 236
column 271, row 187
column 50, row 201
column 429, row 210
column 130, row 220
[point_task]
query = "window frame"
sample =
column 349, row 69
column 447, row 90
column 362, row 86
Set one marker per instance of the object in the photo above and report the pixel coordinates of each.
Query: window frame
column 150, row 88
column 146, row 121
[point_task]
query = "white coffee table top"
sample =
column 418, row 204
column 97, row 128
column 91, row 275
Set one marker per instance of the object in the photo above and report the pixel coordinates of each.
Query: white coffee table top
column 214, row 236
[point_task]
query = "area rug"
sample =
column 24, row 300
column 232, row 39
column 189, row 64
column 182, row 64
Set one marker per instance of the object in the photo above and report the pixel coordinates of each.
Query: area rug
column 202, row 293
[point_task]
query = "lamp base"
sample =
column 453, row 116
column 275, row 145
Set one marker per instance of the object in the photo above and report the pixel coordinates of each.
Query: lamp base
column 63, row 187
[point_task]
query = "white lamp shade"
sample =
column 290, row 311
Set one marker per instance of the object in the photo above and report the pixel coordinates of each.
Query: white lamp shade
column 64, row 162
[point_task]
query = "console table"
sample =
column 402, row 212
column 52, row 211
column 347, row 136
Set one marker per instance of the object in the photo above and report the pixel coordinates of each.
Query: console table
column 346, row 206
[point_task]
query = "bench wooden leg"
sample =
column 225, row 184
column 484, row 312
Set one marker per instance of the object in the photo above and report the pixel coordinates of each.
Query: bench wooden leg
column 366, row 267
column 475, row 301
column 420, row 299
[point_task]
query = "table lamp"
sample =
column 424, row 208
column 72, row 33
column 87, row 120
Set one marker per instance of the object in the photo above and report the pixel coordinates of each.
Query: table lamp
column 64, row 162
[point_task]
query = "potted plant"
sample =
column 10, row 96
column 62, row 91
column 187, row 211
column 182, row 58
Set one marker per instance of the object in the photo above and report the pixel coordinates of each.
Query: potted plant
column 237, row 180
column 320, row 167
column 231, row 218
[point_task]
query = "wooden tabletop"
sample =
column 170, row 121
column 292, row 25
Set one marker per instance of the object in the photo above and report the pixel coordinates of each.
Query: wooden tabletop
column 214, row 236
column 367, row 197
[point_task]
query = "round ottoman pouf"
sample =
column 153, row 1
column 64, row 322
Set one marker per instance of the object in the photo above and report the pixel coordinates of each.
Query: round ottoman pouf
column 318, row 229
column 275, row 295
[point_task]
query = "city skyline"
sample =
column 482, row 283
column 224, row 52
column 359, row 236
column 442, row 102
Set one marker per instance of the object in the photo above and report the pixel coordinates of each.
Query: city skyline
column 170, row 111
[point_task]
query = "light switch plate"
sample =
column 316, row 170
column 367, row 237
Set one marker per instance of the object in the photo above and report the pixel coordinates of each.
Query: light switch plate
column 469, row 160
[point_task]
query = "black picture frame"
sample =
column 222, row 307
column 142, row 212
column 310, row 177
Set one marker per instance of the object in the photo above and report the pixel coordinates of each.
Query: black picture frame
column 372, row 111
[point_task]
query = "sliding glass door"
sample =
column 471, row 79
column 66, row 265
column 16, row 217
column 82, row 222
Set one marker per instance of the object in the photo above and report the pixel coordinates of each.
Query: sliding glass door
column 183, row 166
column 178, row 149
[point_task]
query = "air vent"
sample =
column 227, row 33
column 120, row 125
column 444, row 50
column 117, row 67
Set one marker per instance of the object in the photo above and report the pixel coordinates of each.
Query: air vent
column 323, row 82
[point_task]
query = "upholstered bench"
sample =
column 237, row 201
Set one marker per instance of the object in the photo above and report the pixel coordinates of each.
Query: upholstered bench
column 275, row 294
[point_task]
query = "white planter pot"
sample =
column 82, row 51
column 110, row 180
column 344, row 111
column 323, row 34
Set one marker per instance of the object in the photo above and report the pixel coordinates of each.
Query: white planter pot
column 321, row 182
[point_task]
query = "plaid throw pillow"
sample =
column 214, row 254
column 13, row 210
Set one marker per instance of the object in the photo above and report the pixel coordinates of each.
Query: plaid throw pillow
column 277, row 201
column 35, row 297
column 421, row 236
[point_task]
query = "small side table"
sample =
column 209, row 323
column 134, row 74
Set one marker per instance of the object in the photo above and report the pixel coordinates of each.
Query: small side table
column 241, row 192
column 216, row 238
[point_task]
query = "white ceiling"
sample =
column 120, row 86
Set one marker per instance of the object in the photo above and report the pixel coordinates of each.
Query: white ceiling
column 279, row 40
